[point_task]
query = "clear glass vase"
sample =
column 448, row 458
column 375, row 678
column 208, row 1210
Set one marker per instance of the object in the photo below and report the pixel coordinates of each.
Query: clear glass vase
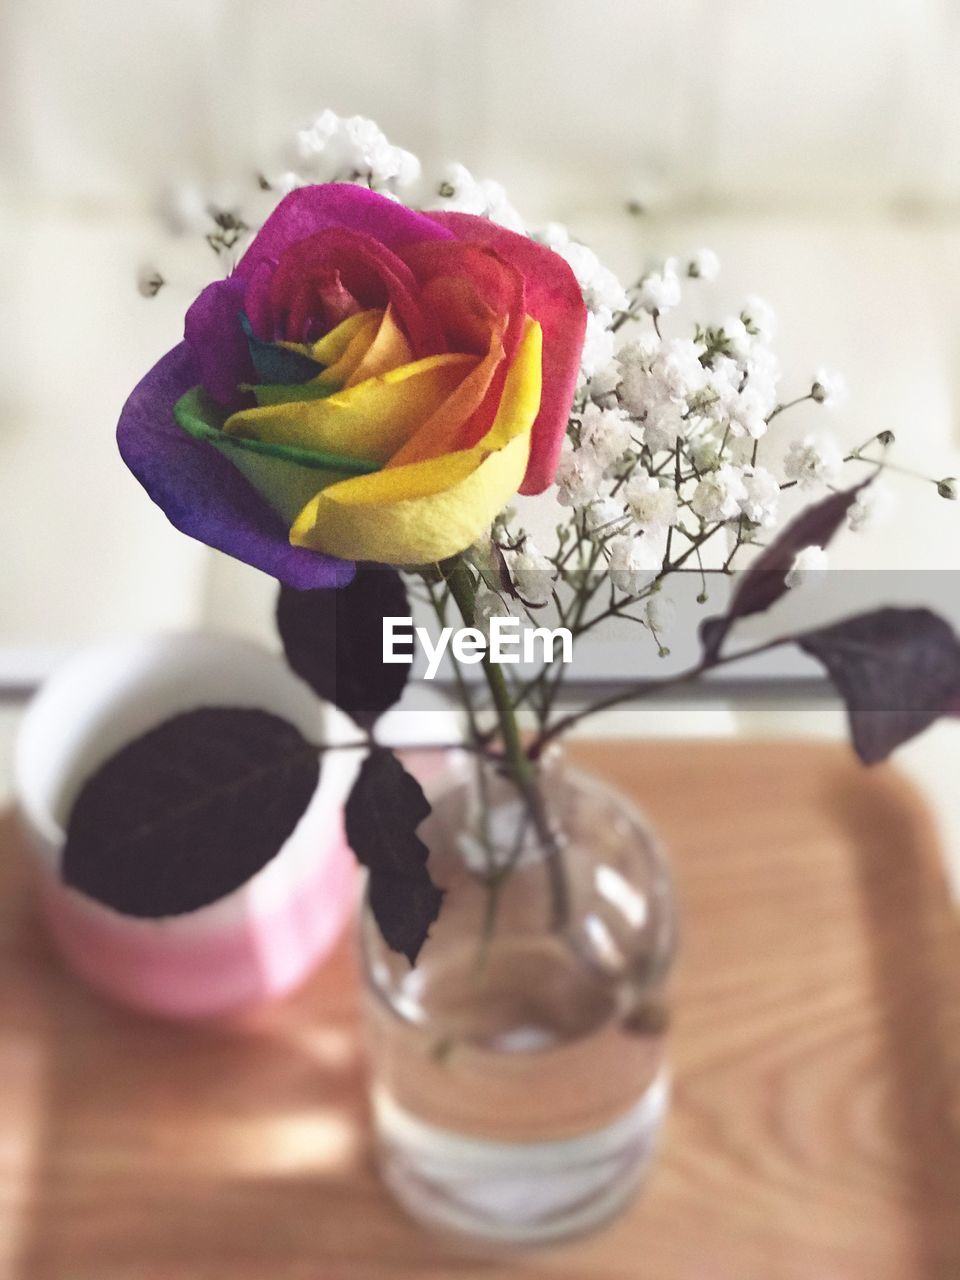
column 517, row 1072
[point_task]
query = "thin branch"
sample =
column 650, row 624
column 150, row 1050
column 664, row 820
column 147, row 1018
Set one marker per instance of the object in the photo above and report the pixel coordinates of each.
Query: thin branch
column 643, row 688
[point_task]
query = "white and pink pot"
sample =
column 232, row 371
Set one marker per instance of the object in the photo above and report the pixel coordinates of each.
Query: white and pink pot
column 265, row 937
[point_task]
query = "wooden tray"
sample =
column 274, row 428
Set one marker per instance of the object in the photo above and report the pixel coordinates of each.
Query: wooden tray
column 815, row 1131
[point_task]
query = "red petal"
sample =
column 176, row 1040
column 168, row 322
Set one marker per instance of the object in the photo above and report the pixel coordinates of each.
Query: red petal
column 468, row 288
column 553, row 297
column 368, row 270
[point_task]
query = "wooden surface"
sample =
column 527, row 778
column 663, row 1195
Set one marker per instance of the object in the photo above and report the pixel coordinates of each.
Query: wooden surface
column 815, row 1133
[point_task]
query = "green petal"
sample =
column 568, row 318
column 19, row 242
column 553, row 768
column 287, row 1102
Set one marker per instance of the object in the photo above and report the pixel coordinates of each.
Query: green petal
column 275, row 364
column 199, row 417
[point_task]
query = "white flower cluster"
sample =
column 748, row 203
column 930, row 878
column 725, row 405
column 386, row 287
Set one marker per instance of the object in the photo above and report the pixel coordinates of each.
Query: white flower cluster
column 652, row 505
column 660, row 291
column 331, row 149
column 533, row 575
column 634, row 562
column 458, row 191
column 351, row 149
column 829, row 389
column 489, row 604
column 704, row 265
column 813, row 460
column 606, row 434
column 664, row 440
column 720, row 383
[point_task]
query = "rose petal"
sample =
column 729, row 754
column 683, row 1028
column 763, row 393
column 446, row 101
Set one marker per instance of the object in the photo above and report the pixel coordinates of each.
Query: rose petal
column 469, row 287
column 333, row 346
column 374, row 275
column 277, row 365
column 346, row 346
column 370, row 420
column 553, row 297
column 215, row 336
column 448, row 428
column 424, row 512
column 198, row 415
column 471, row 291
column 200, row 492
column 338, row 204
column 213, row 322
column 388, row 350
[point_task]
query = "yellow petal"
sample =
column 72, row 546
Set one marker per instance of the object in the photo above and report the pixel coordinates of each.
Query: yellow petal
column 388, row 350
column 340, row 368
column 370, row 421
column 443, row 432
column 332, row 346
column 428, row 510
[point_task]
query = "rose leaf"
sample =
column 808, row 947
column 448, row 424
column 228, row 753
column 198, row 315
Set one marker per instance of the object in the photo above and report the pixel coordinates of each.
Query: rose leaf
column 764, row 582
column 188, row 812
column 383, row 812
column 333, row 640
column 897, row 671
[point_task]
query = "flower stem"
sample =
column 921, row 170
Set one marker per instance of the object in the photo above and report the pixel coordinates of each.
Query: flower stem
column 517, row 763
column 644, row 688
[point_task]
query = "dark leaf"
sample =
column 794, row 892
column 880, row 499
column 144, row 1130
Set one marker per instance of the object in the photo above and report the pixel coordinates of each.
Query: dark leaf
column 764, row 582
column 333, row 639
column 897, row 670
column 190, row 811
column 383, row 812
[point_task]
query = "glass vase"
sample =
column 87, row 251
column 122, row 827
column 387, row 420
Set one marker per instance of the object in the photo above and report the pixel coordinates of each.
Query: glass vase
column 517, row 1071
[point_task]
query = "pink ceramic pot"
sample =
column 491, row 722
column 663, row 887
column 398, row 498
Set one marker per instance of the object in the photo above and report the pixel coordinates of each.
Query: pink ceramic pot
column 261, row 940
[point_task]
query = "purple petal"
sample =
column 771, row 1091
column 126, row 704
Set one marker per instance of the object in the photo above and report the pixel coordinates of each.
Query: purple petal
column 337, row 204
column 199, row 490
column 217, row 341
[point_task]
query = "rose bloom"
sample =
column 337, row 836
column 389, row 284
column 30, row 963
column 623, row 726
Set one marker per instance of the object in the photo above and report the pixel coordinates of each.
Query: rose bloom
column 371, row 383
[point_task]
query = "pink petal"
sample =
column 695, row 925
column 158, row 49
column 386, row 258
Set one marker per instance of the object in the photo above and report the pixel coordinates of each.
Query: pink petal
column 553, row 298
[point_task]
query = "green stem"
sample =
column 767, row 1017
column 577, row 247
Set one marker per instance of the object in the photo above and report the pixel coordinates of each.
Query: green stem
column 519, row 766
column 466, row 697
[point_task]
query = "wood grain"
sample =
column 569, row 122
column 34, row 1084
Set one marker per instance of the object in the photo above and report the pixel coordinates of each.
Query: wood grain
column 815, row 1133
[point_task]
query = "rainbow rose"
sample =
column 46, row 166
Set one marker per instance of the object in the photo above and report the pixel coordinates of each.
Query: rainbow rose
column 371, row 383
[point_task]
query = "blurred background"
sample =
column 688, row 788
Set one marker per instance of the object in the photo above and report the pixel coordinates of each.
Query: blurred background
column 815, row 147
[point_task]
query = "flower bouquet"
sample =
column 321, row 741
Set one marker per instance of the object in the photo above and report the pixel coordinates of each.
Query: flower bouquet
column 384, row 366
